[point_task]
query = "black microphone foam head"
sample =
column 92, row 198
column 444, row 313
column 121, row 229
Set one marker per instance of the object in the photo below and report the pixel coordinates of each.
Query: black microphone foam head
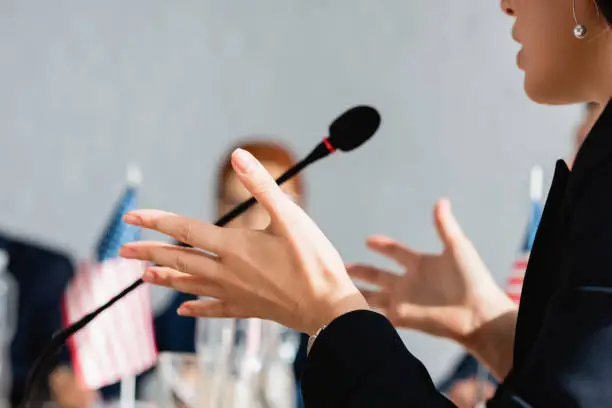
column 351, row 129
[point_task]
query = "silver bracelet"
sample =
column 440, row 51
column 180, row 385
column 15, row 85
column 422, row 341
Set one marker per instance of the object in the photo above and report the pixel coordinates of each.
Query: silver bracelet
column 312, row 339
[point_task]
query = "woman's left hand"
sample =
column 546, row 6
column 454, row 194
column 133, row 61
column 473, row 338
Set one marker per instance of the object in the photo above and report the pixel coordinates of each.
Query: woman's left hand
column 289, row 273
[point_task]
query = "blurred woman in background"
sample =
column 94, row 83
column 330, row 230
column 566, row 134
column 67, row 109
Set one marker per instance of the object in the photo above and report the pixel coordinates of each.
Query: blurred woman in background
column 177, row 334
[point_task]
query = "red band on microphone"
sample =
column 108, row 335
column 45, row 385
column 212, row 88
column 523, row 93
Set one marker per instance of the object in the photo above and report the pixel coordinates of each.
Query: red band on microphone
column 328, row 145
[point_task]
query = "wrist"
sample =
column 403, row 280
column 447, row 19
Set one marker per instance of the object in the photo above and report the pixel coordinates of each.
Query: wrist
column 484, row 303
column 332, row 309
column 487, row 309
column 492, row 336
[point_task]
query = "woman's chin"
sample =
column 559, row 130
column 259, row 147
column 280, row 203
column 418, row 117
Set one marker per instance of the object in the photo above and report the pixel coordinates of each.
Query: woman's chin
column 519, row 59
column 546, row 93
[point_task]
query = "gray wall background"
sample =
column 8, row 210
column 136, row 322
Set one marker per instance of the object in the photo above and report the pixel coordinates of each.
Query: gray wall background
column 87, row 87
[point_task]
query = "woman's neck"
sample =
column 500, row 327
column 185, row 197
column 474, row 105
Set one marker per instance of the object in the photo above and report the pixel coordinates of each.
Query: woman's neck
column 604, row 100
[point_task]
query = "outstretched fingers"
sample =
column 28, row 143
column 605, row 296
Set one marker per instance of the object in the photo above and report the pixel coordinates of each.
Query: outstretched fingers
column 211, row 308
column 284, row 213
column 191, row 231
column 395, row 250
column 447, row 225
column 372, row 275
column 186, row 260
column 171, row 278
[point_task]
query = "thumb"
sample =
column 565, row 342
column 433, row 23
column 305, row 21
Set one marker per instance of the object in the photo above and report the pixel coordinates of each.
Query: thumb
column 256, row 179
column 446, row 224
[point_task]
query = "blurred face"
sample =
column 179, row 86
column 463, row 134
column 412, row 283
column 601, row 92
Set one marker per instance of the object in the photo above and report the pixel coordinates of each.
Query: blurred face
column 559, row 68
column 256, row 217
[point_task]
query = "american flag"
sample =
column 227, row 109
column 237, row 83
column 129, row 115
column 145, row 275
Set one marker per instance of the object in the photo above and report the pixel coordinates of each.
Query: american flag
column 120, row 342
column 514, row 284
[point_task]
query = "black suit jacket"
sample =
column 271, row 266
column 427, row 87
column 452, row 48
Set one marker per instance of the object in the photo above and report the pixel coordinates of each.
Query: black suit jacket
column 41, row 275
column 563, row 344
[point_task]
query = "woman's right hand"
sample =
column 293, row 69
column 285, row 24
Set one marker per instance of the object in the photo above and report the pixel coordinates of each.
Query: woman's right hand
column 289, row 273
column 451, row 294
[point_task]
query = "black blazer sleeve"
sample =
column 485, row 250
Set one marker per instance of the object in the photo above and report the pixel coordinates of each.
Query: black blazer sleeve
column 570, row 364
column 359, row 360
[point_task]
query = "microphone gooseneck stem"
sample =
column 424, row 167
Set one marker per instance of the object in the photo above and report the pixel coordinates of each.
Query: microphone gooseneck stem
column 323, row 149
column 42, row 363
column 319, row 152
column 245, row 205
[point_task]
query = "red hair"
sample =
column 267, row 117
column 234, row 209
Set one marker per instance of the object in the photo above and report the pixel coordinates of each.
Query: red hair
column 264, row 151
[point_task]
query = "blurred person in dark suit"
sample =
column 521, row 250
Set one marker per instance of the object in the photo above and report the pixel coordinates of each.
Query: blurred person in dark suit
column 461, row 385
column 41, row 275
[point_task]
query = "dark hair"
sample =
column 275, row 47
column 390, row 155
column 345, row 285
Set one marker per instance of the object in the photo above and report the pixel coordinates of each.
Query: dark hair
column 605, row 6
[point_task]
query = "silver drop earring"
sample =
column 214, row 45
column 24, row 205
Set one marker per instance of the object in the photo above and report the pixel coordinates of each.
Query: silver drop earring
column 580, row 30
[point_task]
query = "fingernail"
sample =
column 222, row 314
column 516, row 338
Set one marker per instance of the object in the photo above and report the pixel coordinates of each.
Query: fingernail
column 243, row 161
column 149, row 276
column 126, row 252
column 183, row 310
column 132, row 219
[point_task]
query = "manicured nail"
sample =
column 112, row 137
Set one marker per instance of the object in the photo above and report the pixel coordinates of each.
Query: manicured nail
column 126, row 252
column 184, row 310
column 132, row 219
column 243, row 161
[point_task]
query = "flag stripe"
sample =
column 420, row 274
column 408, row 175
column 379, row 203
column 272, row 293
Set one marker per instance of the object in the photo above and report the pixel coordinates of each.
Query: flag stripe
column 120, row 341
column 515, row 298
column 521, row 264
column 147, row 311
column 101, row 337
column 518, row 281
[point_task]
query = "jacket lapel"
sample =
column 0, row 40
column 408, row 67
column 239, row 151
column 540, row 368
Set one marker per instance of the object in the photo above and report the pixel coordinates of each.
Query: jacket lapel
column 540, row 276
column 544, row 274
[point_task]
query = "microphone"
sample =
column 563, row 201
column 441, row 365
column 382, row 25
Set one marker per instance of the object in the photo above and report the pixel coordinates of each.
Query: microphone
column 347, row 132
